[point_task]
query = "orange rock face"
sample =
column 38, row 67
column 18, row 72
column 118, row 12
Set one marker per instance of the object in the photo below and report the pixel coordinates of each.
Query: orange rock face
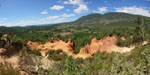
column 67, row 47
column 107, row 44
column 33, row 45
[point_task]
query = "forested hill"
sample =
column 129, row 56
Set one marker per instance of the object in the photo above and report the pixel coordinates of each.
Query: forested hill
column 107, row 18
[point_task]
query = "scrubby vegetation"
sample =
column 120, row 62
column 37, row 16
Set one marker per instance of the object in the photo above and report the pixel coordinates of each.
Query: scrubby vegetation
column 8, row 70
column 136, row 62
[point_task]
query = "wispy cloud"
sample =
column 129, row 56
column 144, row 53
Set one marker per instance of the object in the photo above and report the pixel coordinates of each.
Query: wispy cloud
column 44, row 12
column 56, row 7
column 134, row 10
column 60, row 20
column 44, row 20
column 50, row 18
column 68, row 15
column 101, row 10
column 67, row 10
column 148, row 0
column 3, row 19
column 74, row 2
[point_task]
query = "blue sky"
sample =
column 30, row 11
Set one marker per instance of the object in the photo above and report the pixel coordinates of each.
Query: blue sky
column 35, row 12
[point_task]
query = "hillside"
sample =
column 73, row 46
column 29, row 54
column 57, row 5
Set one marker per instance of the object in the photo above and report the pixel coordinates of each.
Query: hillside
column 105, row 18
column 95, row 44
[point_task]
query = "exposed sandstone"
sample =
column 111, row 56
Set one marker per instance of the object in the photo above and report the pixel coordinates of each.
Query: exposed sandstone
column 13, row 61
column 33, row 45
column 67, row 47
column 46, row 63
column 107, row 44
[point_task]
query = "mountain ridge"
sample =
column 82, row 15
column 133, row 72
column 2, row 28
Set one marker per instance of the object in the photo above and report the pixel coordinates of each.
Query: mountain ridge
column 107, row 18
column 95, row 18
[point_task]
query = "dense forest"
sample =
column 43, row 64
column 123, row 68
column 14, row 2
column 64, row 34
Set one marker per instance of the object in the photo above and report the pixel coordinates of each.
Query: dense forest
column 136, row 62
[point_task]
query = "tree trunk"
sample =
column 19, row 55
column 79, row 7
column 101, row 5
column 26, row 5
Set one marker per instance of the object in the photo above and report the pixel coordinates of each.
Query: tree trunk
column 142, row 29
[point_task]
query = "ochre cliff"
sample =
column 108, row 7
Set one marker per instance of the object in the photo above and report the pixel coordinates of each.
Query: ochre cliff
column 107, row 44
column 67, row 47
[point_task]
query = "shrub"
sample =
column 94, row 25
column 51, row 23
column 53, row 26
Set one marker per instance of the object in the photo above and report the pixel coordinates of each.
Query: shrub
column 5, row 70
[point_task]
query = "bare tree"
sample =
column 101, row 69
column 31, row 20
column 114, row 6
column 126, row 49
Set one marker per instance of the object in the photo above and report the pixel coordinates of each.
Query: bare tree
column 140, row 22
column 142, row 28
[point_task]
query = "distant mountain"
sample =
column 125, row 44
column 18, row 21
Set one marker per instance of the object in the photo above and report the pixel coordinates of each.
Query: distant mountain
column 111, row 18
column 104, row 19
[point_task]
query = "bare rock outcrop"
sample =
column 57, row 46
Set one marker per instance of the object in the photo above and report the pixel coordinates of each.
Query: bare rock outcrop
column 13, row 61
column 46, row 63
column 67, row 47
column 107, row 44
column 33, row 45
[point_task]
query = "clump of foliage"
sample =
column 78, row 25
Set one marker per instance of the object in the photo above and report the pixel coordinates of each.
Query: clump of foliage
column 35, row 52
column 6, row 70
column 56, row 55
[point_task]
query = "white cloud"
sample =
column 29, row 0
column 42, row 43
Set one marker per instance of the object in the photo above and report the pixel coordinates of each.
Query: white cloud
column 56, row 7
column 102, row 9
column 44, row 12
column 134, row 10
column 66, row 2
column 82, row 7
column 74, row 2
column 68, row 15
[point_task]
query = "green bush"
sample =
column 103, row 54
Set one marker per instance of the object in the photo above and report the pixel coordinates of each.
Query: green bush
column 55, row 55
column 5, row 70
